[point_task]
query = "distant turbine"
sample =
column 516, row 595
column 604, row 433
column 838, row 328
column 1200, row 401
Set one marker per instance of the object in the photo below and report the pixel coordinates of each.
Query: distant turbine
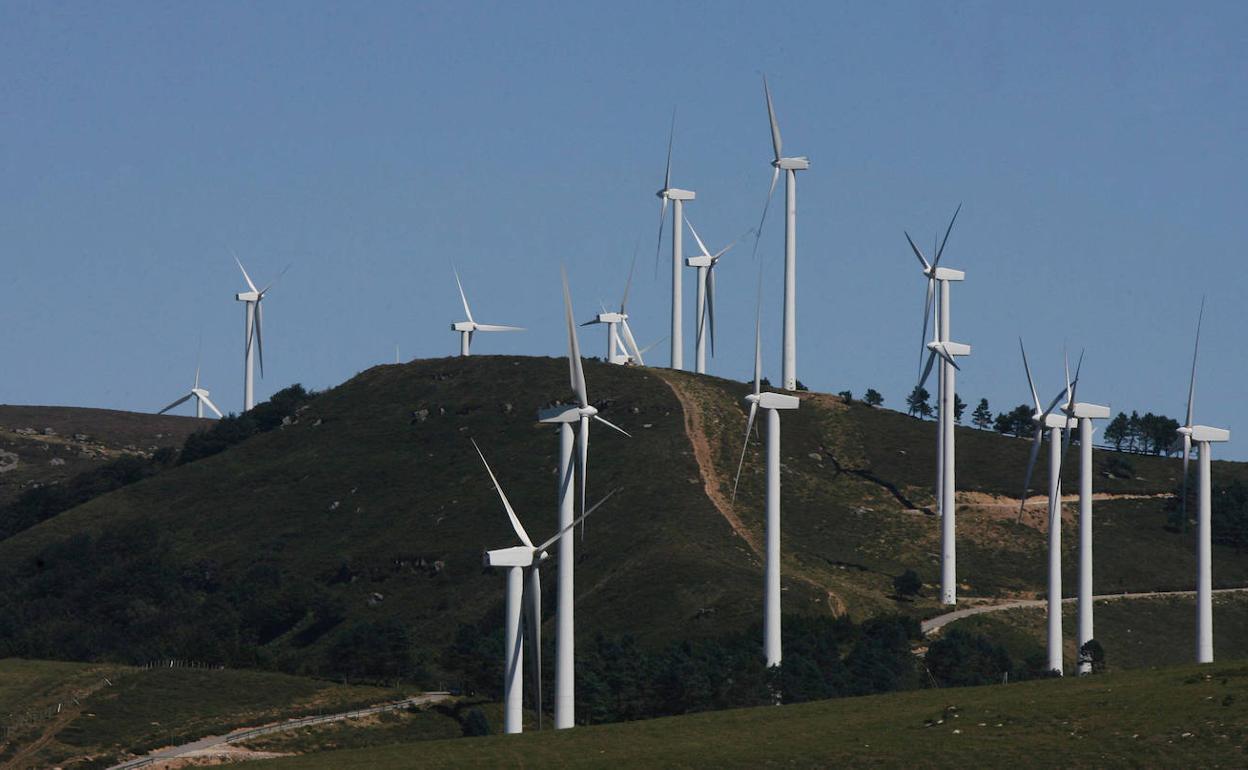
column 705, row 263
column 678, row 198
column 1084, row 414
column 522, row 563
column 564, row 416
column 619, row 335
column 1055, row 424
column 937, row 305
column 790, row 166
column 1202, row 436
column 201, row 399
column 467, row 328
column 772, row 403
column 253, row 298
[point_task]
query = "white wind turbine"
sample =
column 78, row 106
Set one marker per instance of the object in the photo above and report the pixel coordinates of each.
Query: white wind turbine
column 523, row 576
column 1083, row 414
column 678, row 197
column 790, row 165
column 467, row 328
column 201, row 399
column 253, row 298
column 1055, row 423
column 564, row 416
column 705, row 311
column 772, row 403
column 619, row 335
column 1203, row 436
column 937, row 304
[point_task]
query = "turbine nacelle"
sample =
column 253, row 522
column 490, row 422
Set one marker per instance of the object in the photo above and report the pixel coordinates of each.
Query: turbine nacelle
column 248, row 296
column 950, row 348
column 767, row 400
column 676, row 194
column 565, row 413
column 792, row 164
column 1051, row 420
column 1081, row 410
column 945, row 274
column 516, row 556
column 607, row 318
column 464, row 326
column 1205, row 434
column 701, row 261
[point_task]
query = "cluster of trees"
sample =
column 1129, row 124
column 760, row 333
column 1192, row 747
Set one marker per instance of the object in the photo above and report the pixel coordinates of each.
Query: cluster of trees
column 918, row 404
column 964, row 659
column 1228, row 515
column 42, row 503
column 1148, row 434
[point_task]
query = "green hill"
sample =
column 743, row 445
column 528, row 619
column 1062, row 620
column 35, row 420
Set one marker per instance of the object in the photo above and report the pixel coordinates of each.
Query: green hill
column 348, row 541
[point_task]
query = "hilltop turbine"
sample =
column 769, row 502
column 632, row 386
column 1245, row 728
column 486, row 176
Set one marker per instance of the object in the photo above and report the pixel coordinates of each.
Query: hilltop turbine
column 619, row 335
column 201, row 399
column 1084, row 414
column 1045, row 419
column 772, row 403
column 678, row 198
column 522, row 563
column 564, row 416
column 1203, row 436
column 937, row 305
column 467, row 328
column 253, row 298
column 790, row 165
column 705, row 263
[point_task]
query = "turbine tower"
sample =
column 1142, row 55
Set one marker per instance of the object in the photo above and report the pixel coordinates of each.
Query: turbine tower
column 705, row 263
column 521, row 562
column 252, row 298
column 789, row 165
column 1083, row 414
column 937, row 303
column 467, row 328
column 677, row 197
column 201, row 399
column 772, row 403
column 1203, row 436
column 564, row 416
column 1046, row 419
column 619, row 335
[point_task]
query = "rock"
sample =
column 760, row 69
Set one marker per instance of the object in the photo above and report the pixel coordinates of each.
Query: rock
column 318, row 422
column 438, row 566
column 333, row 506
column 648, row 425
column 25, row 431
column 815, row 456
column 420, row 415
column 374, row 599
column 56, row 461
column 507, row 408
column 288, row 420
column 49, row 432
column 8, row 461
column 81, row 437
column 634, row 410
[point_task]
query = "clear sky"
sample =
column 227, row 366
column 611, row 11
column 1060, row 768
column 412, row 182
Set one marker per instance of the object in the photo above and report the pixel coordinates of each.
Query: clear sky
column 1098, row 149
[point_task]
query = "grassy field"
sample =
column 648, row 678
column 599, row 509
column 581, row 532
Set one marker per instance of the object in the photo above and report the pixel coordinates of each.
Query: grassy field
column 1187, row 716
column 137, row 710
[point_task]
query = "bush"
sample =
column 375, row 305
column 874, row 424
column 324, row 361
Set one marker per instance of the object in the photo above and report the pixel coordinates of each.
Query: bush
column 961, row 659
column 907, row 583
column 873, row 397
column 475, row 724
column 847, row 396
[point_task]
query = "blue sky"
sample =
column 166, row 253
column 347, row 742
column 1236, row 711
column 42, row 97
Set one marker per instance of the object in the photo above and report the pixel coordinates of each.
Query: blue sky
column 1098, row 151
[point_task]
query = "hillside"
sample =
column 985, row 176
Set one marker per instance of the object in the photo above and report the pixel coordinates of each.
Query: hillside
column 41, row 445
column 368, row 513
column 1176, row 717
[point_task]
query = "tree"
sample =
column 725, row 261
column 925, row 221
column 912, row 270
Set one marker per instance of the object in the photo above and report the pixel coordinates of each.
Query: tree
column 907, row 584
column 1092, row 652
column 847, row 396
column 1016, row 422
column 982, row 416
column 959, row 406
column 475, row 724
column 917, row 402
column 873, row 397
column 962, row 659
column 799, row 385
column 1117, row 431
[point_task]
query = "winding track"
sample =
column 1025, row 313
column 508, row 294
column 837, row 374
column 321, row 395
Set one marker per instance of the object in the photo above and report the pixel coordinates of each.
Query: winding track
column 932, row 625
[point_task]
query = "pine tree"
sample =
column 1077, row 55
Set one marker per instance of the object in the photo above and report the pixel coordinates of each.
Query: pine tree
column 982, row 416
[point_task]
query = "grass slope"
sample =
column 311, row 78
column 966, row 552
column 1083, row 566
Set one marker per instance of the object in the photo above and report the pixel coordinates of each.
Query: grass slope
column 1190, row 717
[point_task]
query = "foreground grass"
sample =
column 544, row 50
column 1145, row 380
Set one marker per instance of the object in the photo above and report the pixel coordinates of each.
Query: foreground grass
column 1190, row 716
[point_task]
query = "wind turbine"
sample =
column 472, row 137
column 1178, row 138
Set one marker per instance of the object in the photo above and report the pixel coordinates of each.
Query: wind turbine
column 619, row 335
column 790, row 165
column 705, row 263
column 522, row 563
column 1055, row 423
column 937, row 305
column 564, row 416
column 678, row 197
column 201, row 399
column 1203, row 436
column 1083, row 414
column 772, row 403
column 467, row 328
column 253, row 298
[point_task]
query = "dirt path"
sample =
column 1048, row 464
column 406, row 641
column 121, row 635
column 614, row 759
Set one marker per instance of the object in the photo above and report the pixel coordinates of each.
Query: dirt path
column 24, row 755
column 712, row 482
column 983, row 500
column 932, row 625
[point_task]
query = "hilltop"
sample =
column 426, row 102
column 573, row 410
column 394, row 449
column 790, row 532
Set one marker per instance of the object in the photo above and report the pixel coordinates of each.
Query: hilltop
column 355, row 530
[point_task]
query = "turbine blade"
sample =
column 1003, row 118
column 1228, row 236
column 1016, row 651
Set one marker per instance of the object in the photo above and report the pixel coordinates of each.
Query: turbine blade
column 610, row 424
column 1031, row 464
column 710, row 304
column 758, row 349
column 511, row 514
column 462, row 297
column 928, row 312
column 582, row 437
column 931, row 359
column 631, row 266
column 749, row 426
column 776, row 143
column 1191, row 388
column 1035, row 397
column 647, row 348
column 758, row 231
column 576, row 370
column 630, row 342
column 658, row 246
column 944, row 353
column 179, row 402
column 941, row 250
column 273, row 282
column 260, row 334
column 1187, row 454
column 917, row 253
column 671, row 136
column 246, row 277
column 497, row 328
column 575, row 521
column 697, row 238
column 1056, row 400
